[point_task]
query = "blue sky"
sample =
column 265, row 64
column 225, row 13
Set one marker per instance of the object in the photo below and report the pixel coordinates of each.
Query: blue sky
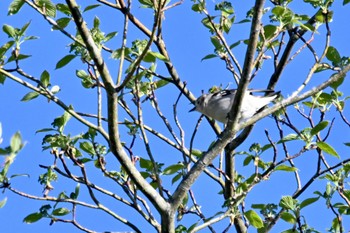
column 187, row 42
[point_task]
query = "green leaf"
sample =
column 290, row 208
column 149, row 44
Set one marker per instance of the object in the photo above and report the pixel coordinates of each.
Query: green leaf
column 63, row 8
column 216, row 42
column 62, row 23
column 308, row 201
column 254, row 219
column 327, row 148
column 333, row 55
column 160, row 83
column 3, row 202
column 270, row 31
column 287, row 202
column 337, row 83
column 347, row 143
column 5, row 48
column 23, row 29
column 60, row 212
column 9, row 30
column 198, row 7
column 319, row 127
column 30, row 96
column 286, row 168
column 19, row 57
column 87, row 147
column 345, row 2
column 34, row 217
column 110, row 35
column 48, row 7
column 151, row 57
column 45, row 78
column 176, row 178
column 289, row 137
column 15, row 6
column 209, row 56
column 90, row 7
column 2, row 78
column 64, row 61
column 60, row 122
column 145, row 163
column 16, row 142
column 173, row 169
column 288, row 217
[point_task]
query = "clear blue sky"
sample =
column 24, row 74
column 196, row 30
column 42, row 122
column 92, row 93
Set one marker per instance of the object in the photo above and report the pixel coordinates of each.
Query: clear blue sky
column 187, row 42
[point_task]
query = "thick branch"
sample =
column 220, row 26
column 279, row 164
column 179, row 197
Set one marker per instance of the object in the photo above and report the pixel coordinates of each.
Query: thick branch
column 112, row 100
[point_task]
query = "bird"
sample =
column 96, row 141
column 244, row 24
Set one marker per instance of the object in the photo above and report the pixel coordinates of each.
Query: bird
column 218, row 104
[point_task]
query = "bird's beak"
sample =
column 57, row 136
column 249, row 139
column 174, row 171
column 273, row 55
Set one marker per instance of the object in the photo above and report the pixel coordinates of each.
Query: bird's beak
column 193, row 109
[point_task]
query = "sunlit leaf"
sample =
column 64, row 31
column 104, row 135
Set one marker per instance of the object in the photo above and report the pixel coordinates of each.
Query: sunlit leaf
column 90, row 7
column 3, row 202
column 9, row 30
column 333, row 55
column 308, row 201
column 15, row 6
column 16, row 142
column 30, row 96
column 45, row 78
column 63, row 8
column 60, row 212
column 287, row 202
column 327, row 148
column 254, row 219
column 110, row 35
column 286, row 168
column 288, row 217
column 62, row 23
column 173, row 169
column 34, row 217
column 87, row 147
column 65, row 60
column 209, row 56
column 319, row 127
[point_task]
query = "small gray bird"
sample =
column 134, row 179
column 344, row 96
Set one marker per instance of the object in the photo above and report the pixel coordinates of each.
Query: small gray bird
column 217, row 105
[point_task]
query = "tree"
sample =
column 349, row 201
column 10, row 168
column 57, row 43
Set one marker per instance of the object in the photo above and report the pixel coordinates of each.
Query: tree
column 127, row 146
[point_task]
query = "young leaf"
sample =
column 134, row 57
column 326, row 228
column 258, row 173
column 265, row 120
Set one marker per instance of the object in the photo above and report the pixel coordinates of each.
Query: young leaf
column 327, row 148
column 319, row 127
column 209, row 56
column 3, row 202
column 15, row 6
column 287, row 202
column 254, row 219
column 333, row 55
column 90, row 7
column 308, row 201
column 60, row 212
column 173, row 169
column 286, row 168
column 30, row 96
column 16, row 142
column 9, row 30
column 288, row 217
column 34, row 217
column 62, row 23
column 65, row 60
column 87, row 147
column 45, row 78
